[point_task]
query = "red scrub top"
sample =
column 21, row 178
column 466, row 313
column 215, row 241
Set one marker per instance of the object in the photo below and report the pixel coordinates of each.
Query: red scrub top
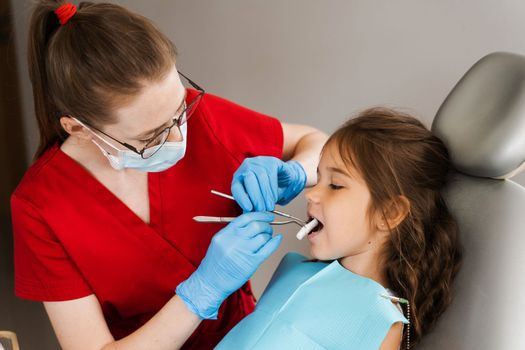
column 73, row 237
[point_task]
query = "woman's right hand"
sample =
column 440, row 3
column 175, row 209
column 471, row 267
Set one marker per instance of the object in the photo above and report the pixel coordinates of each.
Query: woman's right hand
column 233, row 256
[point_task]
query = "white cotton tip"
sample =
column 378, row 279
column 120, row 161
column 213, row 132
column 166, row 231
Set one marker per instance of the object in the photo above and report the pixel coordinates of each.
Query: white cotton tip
column 306, row 229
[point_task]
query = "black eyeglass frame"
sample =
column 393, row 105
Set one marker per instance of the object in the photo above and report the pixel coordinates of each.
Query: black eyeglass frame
column 176, row 122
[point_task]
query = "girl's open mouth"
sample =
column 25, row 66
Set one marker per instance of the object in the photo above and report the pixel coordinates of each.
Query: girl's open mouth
column 317, row 228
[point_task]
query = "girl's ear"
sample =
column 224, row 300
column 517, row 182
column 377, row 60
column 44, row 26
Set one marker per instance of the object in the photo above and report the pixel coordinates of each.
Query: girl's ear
column 394, row 213
column 73, row 128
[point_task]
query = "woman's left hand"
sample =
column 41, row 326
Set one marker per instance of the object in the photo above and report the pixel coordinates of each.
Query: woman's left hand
column 262, row 182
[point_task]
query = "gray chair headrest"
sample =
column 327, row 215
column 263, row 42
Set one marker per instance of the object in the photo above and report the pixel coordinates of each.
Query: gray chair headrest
column 482, row 120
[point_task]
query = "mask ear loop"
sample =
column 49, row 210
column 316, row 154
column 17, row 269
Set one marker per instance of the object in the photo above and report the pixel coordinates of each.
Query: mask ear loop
column 98, row 136
column 407, row 303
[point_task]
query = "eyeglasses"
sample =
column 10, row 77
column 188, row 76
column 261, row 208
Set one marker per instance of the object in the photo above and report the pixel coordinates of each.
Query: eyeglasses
column 153, row 144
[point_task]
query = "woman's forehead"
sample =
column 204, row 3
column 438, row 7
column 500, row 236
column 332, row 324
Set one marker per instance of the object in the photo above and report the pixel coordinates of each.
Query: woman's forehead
column 152, row 107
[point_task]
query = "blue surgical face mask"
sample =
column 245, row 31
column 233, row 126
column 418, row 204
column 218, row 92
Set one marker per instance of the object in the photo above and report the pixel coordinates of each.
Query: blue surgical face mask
column 167, row 156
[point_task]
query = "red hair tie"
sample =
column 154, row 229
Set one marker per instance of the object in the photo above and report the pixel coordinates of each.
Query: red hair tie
column 65, row 12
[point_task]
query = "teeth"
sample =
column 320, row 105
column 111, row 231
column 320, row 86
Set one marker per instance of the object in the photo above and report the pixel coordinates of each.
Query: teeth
column 306, row 229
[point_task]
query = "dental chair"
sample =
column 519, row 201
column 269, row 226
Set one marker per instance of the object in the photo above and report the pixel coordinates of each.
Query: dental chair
column 482, row 122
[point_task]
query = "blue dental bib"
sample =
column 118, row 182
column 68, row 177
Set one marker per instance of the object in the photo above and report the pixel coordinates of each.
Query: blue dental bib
column 314, row 306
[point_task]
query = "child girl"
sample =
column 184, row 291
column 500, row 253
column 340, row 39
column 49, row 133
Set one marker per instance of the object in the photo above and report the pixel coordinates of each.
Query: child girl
column 393, row 244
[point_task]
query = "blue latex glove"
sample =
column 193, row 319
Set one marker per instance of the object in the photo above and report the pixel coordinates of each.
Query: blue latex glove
column 234, row 254
column 261, row 182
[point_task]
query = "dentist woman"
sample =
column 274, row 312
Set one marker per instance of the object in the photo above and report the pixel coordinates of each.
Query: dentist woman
column 129, row 150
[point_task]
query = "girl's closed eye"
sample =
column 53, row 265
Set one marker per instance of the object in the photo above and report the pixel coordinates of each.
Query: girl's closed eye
column 335, row 187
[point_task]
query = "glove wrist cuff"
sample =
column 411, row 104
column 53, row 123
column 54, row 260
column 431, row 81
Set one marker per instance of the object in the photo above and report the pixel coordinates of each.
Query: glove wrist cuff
column 300, row 182
column 198, row 297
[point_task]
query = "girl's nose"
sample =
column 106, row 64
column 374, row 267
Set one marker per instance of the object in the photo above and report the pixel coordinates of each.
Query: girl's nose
column 312, row 194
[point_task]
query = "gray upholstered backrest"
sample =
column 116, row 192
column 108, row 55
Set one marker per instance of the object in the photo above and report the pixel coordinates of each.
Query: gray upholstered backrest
column 482, row 122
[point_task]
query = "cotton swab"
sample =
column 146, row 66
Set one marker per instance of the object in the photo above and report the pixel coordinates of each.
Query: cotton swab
column 306, row 229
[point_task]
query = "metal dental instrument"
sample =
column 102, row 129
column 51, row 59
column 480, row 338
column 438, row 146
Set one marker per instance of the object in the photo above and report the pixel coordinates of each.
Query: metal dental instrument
column 280, row 213
column 306, row 227
column 219, row 219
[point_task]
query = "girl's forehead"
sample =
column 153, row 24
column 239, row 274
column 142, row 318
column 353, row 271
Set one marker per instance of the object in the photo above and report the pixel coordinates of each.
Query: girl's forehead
column 330, row 155
column 331, row 158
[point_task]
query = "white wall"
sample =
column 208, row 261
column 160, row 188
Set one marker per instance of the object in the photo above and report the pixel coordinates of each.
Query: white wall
column 317, row 62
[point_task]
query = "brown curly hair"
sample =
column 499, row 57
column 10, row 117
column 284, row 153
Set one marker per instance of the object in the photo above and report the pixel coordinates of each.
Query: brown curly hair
column 398, row 156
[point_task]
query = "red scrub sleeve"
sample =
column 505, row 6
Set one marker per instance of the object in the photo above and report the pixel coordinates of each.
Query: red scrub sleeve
column 243, row 132
column 43, row 269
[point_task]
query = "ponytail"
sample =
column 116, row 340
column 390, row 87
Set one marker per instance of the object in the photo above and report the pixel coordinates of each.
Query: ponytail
column 43, row 24
column 423, row 258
